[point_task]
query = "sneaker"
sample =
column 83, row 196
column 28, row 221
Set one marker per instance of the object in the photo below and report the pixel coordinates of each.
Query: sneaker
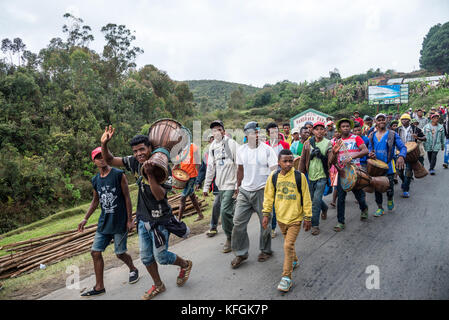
column 390, row 205
column 285, row 284
column 184, row 274
column 154, row 291
column 134, row 276
column 273, row 234
column 379, row 212
column 405, row 194
column 94, row 292
column 227, row 246
column 432, row 172
column 211, row 233
column 364, row 214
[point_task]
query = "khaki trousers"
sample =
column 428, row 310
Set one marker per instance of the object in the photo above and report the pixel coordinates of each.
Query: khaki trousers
column 290, row 233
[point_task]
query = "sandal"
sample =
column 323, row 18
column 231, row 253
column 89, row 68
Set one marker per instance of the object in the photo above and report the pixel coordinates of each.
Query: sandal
column 324, row 215
column 211, row 233
column 315, row 231
column 94, row 292
column 154, row 291
column 198, row 219
column 339, row 227
column 237, row 261
column 333, row 205
column 263, row 257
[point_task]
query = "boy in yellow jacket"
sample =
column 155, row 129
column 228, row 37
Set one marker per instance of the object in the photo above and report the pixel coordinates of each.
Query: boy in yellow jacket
column 289, row 191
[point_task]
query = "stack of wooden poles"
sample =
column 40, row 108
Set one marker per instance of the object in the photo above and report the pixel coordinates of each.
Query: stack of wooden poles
column 26, row 256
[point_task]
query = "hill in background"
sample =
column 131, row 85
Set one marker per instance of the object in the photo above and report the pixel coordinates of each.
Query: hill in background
column 215, row 94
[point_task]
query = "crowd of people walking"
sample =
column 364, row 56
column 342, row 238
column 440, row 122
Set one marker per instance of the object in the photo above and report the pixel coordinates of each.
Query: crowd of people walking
column 282, row 176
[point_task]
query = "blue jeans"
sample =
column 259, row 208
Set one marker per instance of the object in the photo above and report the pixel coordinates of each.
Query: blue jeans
column 148, row 252
column 273, row 220
column 316, row 193
column 101, row 241
column 359, row 195
column 446, row 152
column 406, row 177
column 189, row 188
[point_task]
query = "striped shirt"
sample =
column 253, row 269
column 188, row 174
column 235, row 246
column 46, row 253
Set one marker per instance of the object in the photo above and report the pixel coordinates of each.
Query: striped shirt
column 350, row 147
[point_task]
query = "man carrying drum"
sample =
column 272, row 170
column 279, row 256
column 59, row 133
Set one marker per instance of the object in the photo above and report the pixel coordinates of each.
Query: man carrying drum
column 191, row 166
column 382, row 145
column 408, row 133
column 155, row 220
column 347, row 150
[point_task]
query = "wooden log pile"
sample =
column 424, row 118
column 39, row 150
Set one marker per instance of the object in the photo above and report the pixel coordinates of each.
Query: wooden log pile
column 26, row 256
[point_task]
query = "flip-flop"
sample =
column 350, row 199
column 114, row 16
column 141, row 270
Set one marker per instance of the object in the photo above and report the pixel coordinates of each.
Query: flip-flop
column 263, row 257
column 198, row 219
column 237, row 261
column 94, row 292
column 211, row 233
column 339, row 227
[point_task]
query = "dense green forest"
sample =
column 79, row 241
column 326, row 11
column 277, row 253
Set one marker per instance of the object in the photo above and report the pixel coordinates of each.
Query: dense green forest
column 214, row 94
column 54, row 106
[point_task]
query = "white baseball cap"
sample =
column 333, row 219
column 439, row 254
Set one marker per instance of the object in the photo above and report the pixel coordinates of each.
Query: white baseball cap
column 380, row 115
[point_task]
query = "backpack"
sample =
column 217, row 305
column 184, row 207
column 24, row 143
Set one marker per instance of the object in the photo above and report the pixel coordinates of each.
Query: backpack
column 227, row 150
column 298, row 179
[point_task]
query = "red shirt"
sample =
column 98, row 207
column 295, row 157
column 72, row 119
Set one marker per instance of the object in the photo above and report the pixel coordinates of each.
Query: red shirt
column 353, row 144
column 278, row 147
column 360, row 120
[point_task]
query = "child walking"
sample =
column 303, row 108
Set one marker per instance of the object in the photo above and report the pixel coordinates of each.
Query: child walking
column 289, row 191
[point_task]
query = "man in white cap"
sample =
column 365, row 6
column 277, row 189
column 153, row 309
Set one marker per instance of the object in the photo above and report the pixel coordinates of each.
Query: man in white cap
column 383, row 143
column 330, row 130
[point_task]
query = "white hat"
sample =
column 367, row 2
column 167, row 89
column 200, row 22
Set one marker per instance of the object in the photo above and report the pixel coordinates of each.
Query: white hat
column 295, row 130
column 380, row 115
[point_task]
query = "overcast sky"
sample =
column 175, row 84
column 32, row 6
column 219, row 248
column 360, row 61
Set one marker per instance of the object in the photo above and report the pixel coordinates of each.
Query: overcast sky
column 245, row 41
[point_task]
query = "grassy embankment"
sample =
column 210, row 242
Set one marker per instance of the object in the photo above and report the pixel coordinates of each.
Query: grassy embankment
column 41, row 282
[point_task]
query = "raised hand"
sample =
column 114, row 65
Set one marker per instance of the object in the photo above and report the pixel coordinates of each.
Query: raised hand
column 107, row 135
column 337, row 146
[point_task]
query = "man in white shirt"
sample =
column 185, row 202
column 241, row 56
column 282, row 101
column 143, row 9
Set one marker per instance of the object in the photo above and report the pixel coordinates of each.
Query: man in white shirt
column 222, row 165
column 255, row 160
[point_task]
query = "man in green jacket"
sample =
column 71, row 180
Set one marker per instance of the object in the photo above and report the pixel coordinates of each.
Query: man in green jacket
column 434, row 133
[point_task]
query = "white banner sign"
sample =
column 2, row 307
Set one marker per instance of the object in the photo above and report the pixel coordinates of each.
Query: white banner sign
column 309, row 116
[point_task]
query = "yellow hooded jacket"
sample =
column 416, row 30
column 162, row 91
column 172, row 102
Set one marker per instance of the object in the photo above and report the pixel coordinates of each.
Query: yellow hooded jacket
column 288, row 204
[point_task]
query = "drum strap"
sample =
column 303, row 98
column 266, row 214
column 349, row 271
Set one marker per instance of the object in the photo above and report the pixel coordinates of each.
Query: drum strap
column 163, row 150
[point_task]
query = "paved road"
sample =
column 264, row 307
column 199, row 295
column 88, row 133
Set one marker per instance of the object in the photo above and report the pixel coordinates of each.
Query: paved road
column 410, row 246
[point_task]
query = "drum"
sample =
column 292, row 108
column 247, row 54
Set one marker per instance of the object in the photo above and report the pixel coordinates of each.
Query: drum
column 180, row 178
column 379, row 184
column 169, row 140
column 418, row 170
column 412, row 152
column 376, row 168
column 412, row 157
column 296, row 162
column 353, row 178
